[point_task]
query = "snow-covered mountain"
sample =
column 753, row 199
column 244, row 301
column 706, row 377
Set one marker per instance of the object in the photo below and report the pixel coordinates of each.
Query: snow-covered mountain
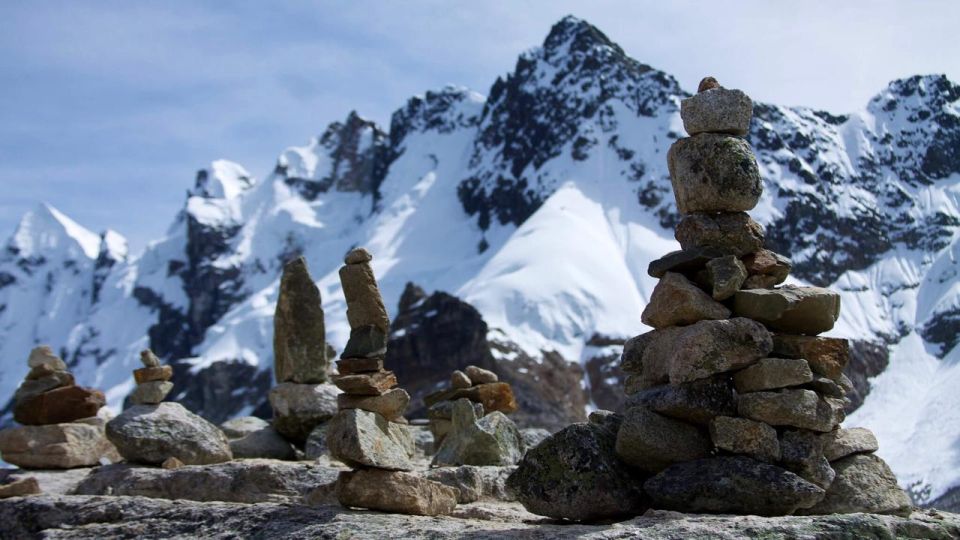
column 540, row 205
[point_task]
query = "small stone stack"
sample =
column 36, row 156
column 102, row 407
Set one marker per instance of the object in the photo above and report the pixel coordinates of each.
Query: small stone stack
column 727, row 416
column 480, row 386
column 62, row 427
column 153, row 380
column 302, row 400
column 369, row 432
column 155, row 432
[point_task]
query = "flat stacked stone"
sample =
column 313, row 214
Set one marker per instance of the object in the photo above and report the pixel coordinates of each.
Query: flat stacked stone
column 369, row 432
column 61, row 423
column 480, row 386
column 734, row 401
column 155, row 432
column 303, row 398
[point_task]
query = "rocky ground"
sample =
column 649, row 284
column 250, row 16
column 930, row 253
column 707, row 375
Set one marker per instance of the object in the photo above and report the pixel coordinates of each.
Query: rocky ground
column 275, row 499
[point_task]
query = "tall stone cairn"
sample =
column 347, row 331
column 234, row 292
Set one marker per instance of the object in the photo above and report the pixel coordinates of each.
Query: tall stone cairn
column 369, row 431
column 62, row 422
column 734, row 401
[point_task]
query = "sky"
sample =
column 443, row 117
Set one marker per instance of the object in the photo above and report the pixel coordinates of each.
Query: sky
column 108, row 108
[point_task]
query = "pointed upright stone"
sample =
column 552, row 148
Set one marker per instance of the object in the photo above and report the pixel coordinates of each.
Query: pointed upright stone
column 299, row 346
column 364, row 303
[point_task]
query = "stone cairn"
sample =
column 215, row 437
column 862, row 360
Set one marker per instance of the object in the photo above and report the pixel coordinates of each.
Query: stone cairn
column 369, row 432
column 469, row 423
column 303, row 399
column 734, row 401
column 62, row 423
column 157, row 432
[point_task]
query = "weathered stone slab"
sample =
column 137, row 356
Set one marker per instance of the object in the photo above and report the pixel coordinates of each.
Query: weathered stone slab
column 731, row 485
column 59, row 406
column 683, row 354
column 651, row 442
column 366, row 384
column 773, row 373
column 299, row 346
column 696, row 402
column 396, row 492
column 826, row 356
column 714, row 173
column 676, row 301
column 390, row 405
column 352, row 366
column 682, row 261
column 799, row 310
column 242, row 426
column 730, row 233
column 56, row 446
column 841, row 443
column 747, row 437
column 792, row 407
column 148, row 374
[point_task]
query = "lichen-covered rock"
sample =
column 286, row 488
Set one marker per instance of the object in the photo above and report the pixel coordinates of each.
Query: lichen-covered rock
column 863, row 483
column 366, row 342
column 394, row 491
column 826, row 356
column 799, row 310
column 56, row 446
column 841, row 443
column 717, row 110
column 299, row 408
column 731, row 485
column 364, row 303
column 299, row 338
column 575, row 474
column 799, row 408
column 676, row 301
column 152, row 433
column 688, row 353
column 696, row 402
column 747, row 437
column 726, row 275
column 731, row 233
column 365, row 439
column 773, row 373
column 801, row 451
column 491, row 440
column 651, row 442
column 714, row 173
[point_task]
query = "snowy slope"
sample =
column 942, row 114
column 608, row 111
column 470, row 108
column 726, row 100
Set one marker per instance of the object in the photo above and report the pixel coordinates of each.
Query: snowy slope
column 540, row 204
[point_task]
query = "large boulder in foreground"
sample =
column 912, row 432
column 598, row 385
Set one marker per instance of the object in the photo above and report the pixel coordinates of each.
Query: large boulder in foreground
column 151, row 434
column 731, row 485
column 574, row 474
column 864, row 483
column 687, row 353
column 56, row 446
column 396, row 492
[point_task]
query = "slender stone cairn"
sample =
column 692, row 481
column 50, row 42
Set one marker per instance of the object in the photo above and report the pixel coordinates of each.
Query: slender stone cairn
column 369, row 432
column 155, row 432
column 734, row 401
column 302, row 400
column 62, row 423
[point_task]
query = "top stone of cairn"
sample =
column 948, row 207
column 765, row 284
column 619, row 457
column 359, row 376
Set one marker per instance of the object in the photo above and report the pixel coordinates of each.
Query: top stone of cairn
column 715, row 109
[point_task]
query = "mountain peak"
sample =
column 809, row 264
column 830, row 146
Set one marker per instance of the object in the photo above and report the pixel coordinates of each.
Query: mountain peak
column 572, row 34
column 45, row 230
column 223, row 179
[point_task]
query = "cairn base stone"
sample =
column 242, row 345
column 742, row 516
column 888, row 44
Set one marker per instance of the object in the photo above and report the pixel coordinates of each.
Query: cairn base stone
column 651, row 442
column 150, row 434
column 731, row 485
column 864, row 483
column 395, row 492
column 366, row 439
column 798, row 408
column 56, row 446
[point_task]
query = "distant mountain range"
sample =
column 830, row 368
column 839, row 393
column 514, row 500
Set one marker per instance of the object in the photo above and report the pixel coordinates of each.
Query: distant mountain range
column 539, row 205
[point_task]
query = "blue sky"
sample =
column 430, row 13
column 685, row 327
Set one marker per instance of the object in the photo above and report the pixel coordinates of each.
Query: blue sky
column 107, row 109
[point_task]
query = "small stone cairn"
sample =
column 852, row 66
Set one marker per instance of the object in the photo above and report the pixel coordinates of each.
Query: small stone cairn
column 469, row 423
column 369, row 432
column 157, row 432
column 62, row 423
column 303, row 400
column 734, row 401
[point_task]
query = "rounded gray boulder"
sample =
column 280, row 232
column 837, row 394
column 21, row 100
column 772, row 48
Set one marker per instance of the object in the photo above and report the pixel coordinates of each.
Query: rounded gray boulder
column 150, row 434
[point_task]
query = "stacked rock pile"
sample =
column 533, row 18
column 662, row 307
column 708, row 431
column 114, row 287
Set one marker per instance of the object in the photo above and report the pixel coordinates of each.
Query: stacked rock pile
column 156, row 432
column 469, row 423
column 480, row 386
column 726, row 415
column 303, row 399
column 733, row 400
column 369, row 432
column 61, row 423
